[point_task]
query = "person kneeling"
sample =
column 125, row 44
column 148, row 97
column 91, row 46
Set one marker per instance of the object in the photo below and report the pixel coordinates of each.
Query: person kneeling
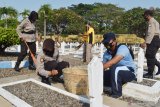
column 120, row 64
column 47, row 66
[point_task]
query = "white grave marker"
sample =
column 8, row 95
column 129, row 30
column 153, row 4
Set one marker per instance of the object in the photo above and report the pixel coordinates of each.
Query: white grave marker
column 95, row 78
column 140, row 65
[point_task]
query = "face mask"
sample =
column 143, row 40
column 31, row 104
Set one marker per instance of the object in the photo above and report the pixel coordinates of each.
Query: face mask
column 48, row 53
column 108, row 46
column 145, row 18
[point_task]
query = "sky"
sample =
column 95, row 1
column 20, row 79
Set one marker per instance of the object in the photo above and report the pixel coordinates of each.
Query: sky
column 20, row 5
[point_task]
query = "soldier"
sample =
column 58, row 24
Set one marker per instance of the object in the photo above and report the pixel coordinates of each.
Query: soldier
column 27, row 33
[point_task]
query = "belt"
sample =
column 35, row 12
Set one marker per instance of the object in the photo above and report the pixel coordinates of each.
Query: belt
column 30, row 32
column 156, row 35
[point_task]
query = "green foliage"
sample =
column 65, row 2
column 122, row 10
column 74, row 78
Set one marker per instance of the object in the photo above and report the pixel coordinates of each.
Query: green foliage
column 133, row 22
column 157, row 14
column 102, row 16
column 82, row 9
column 9, row 12
column 8, row 37
column 60, row 21
column 45, row 13
column 25, row 13
column 11, row 23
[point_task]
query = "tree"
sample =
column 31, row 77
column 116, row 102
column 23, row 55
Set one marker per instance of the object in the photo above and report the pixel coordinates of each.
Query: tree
column 60, row 21
column 81, row 9
column 66, row 21
column 132, row 22
column 157, row 14
column 25, row 13
column 8, row 37
column 102, row 16
column 8, row 12
column 45, row 13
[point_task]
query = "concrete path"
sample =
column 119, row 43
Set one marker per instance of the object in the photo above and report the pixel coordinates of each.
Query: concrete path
column 5, row 103
column 107, row 100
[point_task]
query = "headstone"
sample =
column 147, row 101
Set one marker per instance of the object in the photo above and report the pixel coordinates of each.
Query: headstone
column 63, row 47
column 18, row 48
column 101, row 50
column 158, row 59
column 95, row 78
column 140, row 65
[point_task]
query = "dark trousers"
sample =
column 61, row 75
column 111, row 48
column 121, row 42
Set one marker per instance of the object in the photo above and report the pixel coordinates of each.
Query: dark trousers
column 53, row 65
column 87, row 55
column 150, row 55
column 23, row 53
column 116, row 78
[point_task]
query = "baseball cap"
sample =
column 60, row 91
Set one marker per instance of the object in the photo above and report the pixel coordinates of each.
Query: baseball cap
column 107, row 37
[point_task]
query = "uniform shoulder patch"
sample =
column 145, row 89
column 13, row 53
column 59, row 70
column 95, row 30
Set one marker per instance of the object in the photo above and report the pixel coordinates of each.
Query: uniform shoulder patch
column 42, row 59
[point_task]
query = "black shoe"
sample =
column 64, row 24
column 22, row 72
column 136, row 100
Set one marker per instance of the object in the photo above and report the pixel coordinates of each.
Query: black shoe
column 147, row 75
column 31, row 67
column 57, row 79
column 158, row 73
column 46, row 81
column 107, row 90
column 17, row 69
column 115, row 96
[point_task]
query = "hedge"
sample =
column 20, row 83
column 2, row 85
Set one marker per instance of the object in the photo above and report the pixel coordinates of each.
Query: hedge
column 8, row 37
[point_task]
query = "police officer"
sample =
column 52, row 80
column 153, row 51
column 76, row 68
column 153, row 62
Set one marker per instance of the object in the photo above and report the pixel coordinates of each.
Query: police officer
column 27, row 33
column 48, row 64
column 45, row 63
column 152, row 43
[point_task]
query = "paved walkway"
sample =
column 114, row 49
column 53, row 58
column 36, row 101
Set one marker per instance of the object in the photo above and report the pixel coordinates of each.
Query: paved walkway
column 107, row 100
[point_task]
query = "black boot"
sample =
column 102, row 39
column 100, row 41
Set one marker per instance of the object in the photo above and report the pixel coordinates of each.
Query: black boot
column 45, row 80
column 148, row 75
column 57, row 79
column 31, row 65
column 16, row 68
column 158, row 72
column 158, row 65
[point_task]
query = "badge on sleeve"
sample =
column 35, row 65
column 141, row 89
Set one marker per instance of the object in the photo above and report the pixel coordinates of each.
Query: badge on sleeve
column 42, row 59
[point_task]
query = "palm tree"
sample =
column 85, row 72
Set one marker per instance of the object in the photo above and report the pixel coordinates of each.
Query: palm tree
column 8, row 12
column 44, row 13
column 25, row 13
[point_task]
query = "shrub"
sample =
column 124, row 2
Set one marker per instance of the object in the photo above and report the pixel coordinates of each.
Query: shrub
column 8, row 37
